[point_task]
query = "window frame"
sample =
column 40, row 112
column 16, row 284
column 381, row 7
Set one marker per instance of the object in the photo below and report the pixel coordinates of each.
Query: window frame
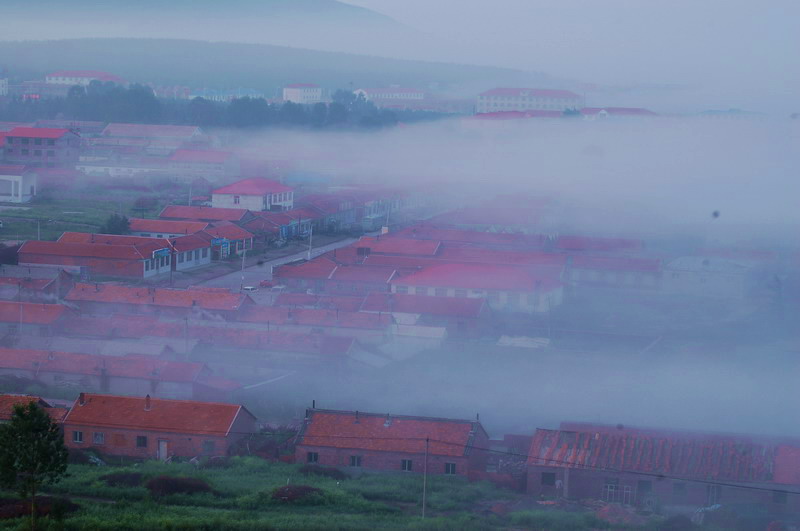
column 141, row 441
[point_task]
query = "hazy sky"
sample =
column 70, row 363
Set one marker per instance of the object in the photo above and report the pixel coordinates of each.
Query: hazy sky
column 740, row 45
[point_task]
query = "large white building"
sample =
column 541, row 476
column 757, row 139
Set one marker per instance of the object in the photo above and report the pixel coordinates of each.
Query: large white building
column 254, row 194
column 17, row 184
column 81, row 77
column 390, row 94
column 527, row 99
column 303, row 93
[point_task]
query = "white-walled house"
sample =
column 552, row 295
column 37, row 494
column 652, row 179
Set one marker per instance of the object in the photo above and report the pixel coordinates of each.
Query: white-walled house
column 255, row 194
column 17, row 184
column 303, row 93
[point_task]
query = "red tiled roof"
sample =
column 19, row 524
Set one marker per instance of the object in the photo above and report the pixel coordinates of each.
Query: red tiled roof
column 314, row 317
column 363, row 273
column 422, row 304
column 226, row 229
column 37, row 132
column 30, row 312
column 525, row 92
column 92, row 74
column 7, row 403
column 479, row 276
column 141, row 367
column 396, row 245
column 684, row 455
column 201, row 156
column 494, row 256
column 206, row 299
column 171, row 416
column 254, row 186
column 319, row 268
column 151, row 131
column 614, row 263
column 445, row 235
column 588, row 243
column 26, row 283
column 388, row 433
column 120, row 252
column 202, row 213
column 164, row 226
column 13, row 170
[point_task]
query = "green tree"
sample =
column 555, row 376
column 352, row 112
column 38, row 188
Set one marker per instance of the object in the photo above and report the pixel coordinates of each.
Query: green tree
column 116, row 224
column 32, row 453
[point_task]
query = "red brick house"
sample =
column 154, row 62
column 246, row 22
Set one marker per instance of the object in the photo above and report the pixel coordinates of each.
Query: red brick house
column 32, row 318
column 383, row 442
column 153, row 428
column 8, row 401
column 42, row 147
column 662, row 470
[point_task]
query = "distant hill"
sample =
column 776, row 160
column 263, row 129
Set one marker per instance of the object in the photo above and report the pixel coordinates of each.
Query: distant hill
column 232, row 65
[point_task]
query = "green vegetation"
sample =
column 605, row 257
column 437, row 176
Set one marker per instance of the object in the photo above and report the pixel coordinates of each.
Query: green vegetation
column 32, row 453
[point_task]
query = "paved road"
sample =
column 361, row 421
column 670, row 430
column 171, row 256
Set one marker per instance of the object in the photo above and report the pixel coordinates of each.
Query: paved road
column 252, row 275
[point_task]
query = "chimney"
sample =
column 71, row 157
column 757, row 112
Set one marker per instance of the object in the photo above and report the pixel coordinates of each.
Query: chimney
column 82, row 399
column 51, row 355
column 388, row 421
column 147, row 405
column 356, row 422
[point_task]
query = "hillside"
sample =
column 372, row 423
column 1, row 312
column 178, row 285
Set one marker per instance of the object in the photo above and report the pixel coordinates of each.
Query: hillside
column 230, row 65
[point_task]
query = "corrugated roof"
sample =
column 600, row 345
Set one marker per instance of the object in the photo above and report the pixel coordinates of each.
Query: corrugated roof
column 38, row 132
column 203, row 213
column 226, row 229
column 206, row 299
column 314, row 317
column 121, row 252
column 254, row 186
column 165, row 226
column 30, row 312
column 388, row 433
column 171, row 416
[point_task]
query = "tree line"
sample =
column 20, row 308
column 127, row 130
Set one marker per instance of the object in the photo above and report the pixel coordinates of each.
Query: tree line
column 108, row 102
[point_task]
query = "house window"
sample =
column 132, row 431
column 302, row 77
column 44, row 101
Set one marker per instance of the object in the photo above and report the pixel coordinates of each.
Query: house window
column 196, row 254
column 236, row 200
column 180, row 257
column 141, row 441
column 450, row 468
column 77, row 436
column 25, row 141
column 99, row 437
column 51, row 142
column 312, row 457
column 440, row 292
column 147, row 265
column 401, row 289
column 644, row 487
column 548, row 479
column 355, row 460
column 37, row 152
column 679, row 489
column 208, row 447
column 420, row 291
column 780, row 496
column 461, row 293
column 51, row 153
column 205, row 252
column 25, row 151
column 406, row 465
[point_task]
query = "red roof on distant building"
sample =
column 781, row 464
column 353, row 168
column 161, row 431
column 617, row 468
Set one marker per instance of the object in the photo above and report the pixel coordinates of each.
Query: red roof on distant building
column 314, row 317
column 479, row 277
column 397, row 245
column 228, row 230
column 526, row 92
column 254, row 186
column 170, row 416
column 8, row 401
column 205, row 299
column 200, row 156
column 92, row 250
column 165, row 226
column 363, row 274
column 203, row 213
column 422, row 304
column 680, row 454
column 388, row 433
column 88, row 74
column 38, row 132
column 30, row 312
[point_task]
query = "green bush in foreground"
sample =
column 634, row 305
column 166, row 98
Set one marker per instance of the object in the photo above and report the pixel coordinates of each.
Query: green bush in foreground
column 557, row 521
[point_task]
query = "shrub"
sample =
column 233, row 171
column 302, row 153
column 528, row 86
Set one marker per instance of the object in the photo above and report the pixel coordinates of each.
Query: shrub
column 45, row 506
column 164, row 485
column 333, row 473
column 302, row 494
column 220, row 461
column 122, row 479
column 557, row 520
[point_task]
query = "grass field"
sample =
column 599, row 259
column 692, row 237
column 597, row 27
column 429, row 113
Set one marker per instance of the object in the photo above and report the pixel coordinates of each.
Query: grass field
column 242, row 500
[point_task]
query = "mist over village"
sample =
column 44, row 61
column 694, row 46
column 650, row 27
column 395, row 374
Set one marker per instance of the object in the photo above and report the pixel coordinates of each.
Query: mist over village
column 320, row 264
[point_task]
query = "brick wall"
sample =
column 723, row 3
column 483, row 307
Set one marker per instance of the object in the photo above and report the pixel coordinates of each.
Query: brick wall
column 385, row 461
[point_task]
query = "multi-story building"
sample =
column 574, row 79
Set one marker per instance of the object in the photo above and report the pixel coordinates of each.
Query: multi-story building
column 303, row 93
column 390, row 94
column 527, row 99
column 82, row 77
column 42, row 147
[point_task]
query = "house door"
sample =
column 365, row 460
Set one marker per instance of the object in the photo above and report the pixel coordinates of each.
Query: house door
column 162, row 450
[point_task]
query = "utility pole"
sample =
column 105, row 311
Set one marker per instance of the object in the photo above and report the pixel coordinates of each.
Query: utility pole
column 38, row 229
column 310, row 239
column 425, row 478
column 244, row 254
